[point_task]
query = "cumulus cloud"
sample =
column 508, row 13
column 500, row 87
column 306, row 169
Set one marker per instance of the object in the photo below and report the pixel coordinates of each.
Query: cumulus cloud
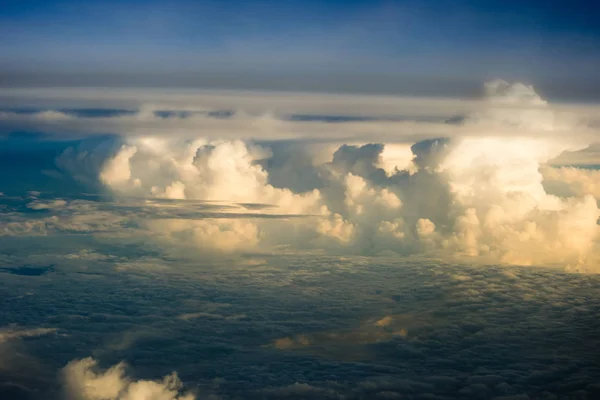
column 477, row 196
column 84, row 380
column 116, row 170
column 478, row 187
column 571, row 182
column 499, row 91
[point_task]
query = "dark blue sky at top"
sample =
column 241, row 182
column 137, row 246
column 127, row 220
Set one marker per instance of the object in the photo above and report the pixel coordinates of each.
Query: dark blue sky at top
column 356, row 43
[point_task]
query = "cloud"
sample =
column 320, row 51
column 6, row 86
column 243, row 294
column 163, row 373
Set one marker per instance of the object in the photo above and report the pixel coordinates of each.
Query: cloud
column 571, row 182
column 206, row 235
column 84, row 380
column 13, row 333
column 478, row 187
column 75, row 217
column 116, row 170
column 348, row 327
column 291, row 116
column 20, row 374
column 499, row 91
column 301, row 391
column 40, row 205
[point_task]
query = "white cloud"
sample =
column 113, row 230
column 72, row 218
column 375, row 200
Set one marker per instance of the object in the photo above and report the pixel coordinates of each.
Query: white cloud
column 49, row 205
column 84, row 380
column 12, row 333
column 116, row 169
column 264, row 116
column 482, row 188
column 499, row 91
column 571, row 182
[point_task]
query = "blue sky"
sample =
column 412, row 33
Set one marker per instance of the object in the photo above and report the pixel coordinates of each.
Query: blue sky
column 334, row 45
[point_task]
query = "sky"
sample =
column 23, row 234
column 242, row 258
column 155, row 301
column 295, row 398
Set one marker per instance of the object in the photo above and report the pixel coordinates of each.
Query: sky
column 436, row 48
column 299, row 200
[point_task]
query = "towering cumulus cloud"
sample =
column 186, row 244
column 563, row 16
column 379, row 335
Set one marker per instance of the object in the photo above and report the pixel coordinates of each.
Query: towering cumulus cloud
column 475, row 189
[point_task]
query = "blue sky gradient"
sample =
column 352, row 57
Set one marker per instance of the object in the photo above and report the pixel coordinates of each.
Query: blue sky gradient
column 334, row 45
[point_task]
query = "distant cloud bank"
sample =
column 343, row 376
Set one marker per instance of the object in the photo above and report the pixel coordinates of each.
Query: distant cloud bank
column 480, row 184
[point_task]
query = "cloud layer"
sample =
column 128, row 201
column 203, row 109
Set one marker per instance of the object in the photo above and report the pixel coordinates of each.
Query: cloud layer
column 484, row 189
column 480, row 184
column 299, row 327
column 200, row 241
